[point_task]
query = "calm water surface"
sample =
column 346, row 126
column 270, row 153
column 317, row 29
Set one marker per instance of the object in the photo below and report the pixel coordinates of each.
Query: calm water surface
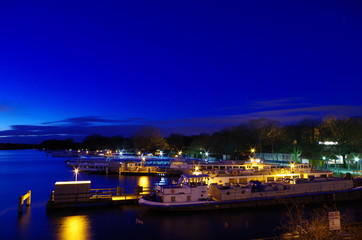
column 22, row 170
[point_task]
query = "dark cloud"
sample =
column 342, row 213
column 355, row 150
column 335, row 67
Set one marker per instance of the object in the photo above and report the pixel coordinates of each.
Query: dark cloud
column 80, row 127
column 290, row 115
column 280, row 103
column 37, row 134
column 89, row 120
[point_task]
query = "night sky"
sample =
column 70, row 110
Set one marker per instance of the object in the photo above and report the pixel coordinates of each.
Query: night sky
column 76, row 68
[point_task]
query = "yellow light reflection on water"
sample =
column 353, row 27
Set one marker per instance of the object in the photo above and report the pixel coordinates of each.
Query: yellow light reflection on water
column 144, row 181
column 75, row 227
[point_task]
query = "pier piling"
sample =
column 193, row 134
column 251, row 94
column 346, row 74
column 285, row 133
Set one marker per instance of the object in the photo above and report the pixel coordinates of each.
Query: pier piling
column 26, row 197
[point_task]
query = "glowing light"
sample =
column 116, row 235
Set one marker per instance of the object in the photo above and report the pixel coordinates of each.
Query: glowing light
column 356, row 158
column 197, row 171
column 252, row 150
column 144, row 181
column 255, row 160
column 328, row 143
column 72, row 182
column 179, row 152
column 76, row 174
column 74, row 227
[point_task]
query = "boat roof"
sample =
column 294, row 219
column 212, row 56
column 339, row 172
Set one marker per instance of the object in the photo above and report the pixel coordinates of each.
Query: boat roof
column 195, row 176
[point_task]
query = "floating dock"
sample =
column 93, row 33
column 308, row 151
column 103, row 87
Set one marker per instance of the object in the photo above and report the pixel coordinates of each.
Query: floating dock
column 79, row 194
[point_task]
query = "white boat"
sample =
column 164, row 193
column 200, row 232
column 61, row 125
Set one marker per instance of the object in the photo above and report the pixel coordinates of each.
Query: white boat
column 190, row 190
column 197, row 192
column 253, row 171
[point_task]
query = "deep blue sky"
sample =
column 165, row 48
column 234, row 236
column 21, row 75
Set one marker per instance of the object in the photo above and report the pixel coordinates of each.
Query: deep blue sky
column 75, row 68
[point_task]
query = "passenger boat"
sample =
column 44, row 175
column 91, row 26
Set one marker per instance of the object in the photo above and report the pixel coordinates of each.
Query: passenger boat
column 95, row 165
column 263, row 172
column 202, row 192
column 137, row 165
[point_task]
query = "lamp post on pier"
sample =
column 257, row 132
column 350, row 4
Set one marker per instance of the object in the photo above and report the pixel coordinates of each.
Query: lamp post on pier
column 356, row 159
column 76, row 174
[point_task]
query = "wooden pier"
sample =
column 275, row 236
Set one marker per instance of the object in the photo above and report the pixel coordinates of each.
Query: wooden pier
column 75, row 196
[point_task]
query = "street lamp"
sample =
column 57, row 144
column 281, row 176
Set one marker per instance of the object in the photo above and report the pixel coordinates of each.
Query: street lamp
column 325, row 160
column 252, row 153
column 356, row 159
column 76, row 174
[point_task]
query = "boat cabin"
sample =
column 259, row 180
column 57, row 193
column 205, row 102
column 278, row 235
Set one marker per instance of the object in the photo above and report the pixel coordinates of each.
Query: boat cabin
column 190, row 188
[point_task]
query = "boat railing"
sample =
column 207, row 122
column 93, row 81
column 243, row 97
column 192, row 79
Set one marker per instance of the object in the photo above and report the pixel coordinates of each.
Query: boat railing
column 159, row 187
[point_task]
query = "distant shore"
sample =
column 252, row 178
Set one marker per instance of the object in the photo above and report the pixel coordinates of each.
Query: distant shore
column 17, row 146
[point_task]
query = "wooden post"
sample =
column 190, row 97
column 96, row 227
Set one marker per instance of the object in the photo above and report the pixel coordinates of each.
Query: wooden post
column 20, row 204
column 26, row 197
column 28, row 200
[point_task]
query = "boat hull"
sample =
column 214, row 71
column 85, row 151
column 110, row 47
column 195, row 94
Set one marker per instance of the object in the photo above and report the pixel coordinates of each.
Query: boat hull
column 330, row 197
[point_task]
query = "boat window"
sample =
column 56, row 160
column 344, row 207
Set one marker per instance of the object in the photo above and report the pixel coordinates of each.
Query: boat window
column 233, row 180
column 242, row 180
column 270, row 179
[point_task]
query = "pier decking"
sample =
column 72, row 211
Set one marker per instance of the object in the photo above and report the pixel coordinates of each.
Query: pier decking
column 78, row 194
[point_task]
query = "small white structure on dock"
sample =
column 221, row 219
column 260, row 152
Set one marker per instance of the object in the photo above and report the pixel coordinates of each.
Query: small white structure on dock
column 72, row 191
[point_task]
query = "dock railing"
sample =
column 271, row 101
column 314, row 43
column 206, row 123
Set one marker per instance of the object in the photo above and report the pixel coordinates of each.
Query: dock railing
column 99, row 194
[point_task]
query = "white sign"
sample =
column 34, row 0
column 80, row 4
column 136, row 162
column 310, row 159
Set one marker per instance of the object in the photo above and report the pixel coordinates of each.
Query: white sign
column 334, row 221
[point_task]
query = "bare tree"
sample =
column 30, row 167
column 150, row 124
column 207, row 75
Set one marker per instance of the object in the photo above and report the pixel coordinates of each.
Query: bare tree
column 344, row 131
column 176, row 142
column 264, row 132
column 298, row 224
column 150, row 139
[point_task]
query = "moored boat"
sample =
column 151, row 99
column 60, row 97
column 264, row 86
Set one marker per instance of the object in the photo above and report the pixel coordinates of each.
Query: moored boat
column 195, row 192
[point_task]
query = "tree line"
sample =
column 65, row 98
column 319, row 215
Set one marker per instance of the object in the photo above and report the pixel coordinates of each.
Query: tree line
column 17, row 146
column 303, row 139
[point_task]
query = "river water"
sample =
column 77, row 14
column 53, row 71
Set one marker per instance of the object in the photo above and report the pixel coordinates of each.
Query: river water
column 22, row 170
